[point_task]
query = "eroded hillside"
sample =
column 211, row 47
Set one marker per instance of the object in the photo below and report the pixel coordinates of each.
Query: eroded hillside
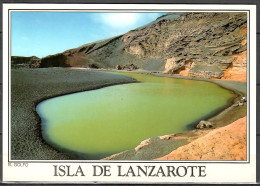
column 209, row 45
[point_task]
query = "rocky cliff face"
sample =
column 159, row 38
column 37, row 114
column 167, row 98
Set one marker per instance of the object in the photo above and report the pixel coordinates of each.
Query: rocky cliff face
column 209, row 45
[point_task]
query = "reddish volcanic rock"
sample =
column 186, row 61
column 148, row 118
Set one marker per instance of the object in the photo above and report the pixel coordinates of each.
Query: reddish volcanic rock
column 225, row 143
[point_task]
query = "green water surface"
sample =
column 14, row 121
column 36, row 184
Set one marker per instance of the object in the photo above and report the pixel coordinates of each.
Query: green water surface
column 116, row 118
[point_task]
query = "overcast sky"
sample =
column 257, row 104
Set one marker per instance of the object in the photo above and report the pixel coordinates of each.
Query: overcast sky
column 44, row 33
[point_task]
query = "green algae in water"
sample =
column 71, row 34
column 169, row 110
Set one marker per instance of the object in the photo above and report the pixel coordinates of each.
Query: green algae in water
column 109, row 120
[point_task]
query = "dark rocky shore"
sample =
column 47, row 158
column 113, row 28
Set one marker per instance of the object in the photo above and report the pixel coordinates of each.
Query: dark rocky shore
column 29, row 87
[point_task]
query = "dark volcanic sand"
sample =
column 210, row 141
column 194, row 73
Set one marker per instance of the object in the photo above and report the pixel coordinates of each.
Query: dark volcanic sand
column 28, row 88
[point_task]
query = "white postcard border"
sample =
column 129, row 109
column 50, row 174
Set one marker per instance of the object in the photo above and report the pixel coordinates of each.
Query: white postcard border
column 44, row 171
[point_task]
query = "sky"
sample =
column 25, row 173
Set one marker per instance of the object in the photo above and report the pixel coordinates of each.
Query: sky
column 45, row 33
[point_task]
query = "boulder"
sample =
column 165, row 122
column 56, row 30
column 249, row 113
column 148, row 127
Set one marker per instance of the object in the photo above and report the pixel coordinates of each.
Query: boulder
column 118, row 67
column 243, row 99
column 240, row 103
column 142, row 144
column 130, row 67
column 93, row 65
column 236, row 104
column 205, row 124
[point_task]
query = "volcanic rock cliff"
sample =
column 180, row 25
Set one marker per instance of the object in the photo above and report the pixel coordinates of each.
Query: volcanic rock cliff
column 209, row 45
column 24, row 62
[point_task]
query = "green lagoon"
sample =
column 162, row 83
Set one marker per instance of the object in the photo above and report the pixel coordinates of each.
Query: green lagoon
column 109, row 120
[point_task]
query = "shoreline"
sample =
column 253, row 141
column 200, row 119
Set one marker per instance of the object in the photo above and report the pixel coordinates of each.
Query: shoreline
column 181, row 142
column 182, row 139
column 31, row 86
column 239, row 94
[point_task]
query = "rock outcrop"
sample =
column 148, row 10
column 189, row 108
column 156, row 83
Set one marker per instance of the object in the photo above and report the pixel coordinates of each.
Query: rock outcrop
column 205, row 124
column 128, row 67
column 225, row 143
column 24, row 62
column 202, row 44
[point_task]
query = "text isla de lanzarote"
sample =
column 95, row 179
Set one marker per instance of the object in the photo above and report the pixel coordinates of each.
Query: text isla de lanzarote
column 129, row 171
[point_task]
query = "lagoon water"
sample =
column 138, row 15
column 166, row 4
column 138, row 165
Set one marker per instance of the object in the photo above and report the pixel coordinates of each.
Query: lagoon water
column 109, row 120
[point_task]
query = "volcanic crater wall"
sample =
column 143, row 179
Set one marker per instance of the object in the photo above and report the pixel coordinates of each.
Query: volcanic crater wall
column 209, row 45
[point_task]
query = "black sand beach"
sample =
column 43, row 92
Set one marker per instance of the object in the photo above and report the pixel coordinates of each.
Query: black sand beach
column 28, row 88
